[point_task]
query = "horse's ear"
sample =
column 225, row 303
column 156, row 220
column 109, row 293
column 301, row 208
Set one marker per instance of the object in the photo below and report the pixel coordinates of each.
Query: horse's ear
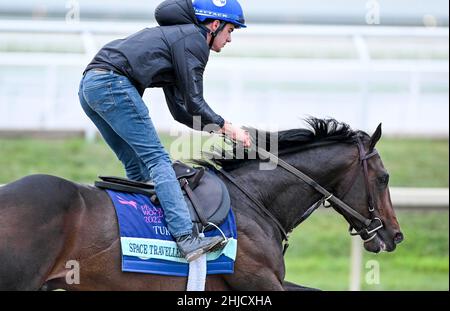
column 375, row 138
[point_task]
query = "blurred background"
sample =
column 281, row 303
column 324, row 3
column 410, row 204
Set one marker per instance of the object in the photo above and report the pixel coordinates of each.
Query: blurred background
column 360, row 61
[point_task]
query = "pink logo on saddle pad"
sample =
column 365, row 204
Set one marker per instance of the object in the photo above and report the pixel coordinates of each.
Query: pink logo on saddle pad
column 126, row 202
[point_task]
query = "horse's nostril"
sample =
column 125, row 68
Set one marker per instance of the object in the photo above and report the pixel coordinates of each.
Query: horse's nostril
column 398, row 238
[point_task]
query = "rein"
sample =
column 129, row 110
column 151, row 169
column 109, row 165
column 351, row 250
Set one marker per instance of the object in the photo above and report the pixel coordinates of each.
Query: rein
column 284, row 234
column 371, row 225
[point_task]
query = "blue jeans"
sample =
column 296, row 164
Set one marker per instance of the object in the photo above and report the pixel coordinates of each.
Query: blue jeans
column 114, row 105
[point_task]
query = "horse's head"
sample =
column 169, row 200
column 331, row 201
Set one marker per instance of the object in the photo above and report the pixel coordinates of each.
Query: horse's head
column 330, row 161
column 365, row 189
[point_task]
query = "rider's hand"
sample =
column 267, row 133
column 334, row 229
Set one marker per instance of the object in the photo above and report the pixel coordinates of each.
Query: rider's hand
column 237, row 134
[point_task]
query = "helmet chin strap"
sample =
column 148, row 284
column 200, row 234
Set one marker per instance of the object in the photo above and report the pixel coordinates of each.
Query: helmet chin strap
column 215, row 33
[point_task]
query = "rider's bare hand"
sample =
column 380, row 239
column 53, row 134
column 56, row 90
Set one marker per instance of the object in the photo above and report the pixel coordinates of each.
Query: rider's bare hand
column 237, row 134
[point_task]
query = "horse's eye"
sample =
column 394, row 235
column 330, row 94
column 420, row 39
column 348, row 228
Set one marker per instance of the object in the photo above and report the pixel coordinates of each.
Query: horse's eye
column 383, row 180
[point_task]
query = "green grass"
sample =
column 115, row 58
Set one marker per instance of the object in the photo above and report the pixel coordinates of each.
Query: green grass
column 73, row 159
column 416, row 162
column 410, row 162
column 320, row 247
column 319, row 255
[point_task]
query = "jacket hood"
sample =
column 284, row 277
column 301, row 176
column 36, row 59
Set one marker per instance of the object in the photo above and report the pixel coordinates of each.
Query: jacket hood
column 175, row 12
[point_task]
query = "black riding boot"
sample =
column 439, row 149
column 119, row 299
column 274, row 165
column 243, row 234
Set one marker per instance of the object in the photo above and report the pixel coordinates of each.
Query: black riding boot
column 192, row 247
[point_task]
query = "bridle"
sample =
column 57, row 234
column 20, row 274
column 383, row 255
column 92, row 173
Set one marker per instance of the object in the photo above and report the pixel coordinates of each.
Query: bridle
column 368, row 233
column 370, row 225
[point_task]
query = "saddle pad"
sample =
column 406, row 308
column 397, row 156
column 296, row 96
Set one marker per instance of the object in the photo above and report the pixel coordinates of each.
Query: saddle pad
column 148, row 247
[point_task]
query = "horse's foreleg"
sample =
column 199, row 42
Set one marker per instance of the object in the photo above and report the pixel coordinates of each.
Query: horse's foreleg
column 289, row 286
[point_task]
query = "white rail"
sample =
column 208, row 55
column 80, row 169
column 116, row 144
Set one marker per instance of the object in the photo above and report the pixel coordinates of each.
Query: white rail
column 258, row 29
column 356, row 106
column 416, row 198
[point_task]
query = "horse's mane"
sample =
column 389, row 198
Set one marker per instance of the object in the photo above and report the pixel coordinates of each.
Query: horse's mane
column 320, row 131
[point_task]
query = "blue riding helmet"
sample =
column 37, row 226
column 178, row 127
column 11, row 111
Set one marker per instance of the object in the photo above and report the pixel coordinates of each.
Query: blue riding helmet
column 225, row 10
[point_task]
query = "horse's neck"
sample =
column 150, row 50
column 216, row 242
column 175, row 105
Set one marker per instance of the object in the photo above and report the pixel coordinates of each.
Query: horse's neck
column 286, row 196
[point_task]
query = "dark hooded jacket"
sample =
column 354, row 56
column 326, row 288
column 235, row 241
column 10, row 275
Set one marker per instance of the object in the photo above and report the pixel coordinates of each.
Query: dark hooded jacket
column 172, row 56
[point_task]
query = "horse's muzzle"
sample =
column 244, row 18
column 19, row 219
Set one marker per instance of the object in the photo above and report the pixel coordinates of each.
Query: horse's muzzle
column 398, row 238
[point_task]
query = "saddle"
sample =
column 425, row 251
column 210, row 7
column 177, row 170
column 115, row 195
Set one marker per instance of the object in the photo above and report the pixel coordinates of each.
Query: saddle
column 206, row 195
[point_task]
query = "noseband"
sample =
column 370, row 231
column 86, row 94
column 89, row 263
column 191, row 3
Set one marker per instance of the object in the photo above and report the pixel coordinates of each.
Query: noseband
column 370, row 225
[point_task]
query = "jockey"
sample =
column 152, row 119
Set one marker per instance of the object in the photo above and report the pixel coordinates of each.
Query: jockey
column 173, row 57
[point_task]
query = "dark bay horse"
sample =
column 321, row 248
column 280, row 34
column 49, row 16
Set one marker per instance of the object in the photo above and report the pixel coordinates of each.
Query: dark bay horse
column 47, row 222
